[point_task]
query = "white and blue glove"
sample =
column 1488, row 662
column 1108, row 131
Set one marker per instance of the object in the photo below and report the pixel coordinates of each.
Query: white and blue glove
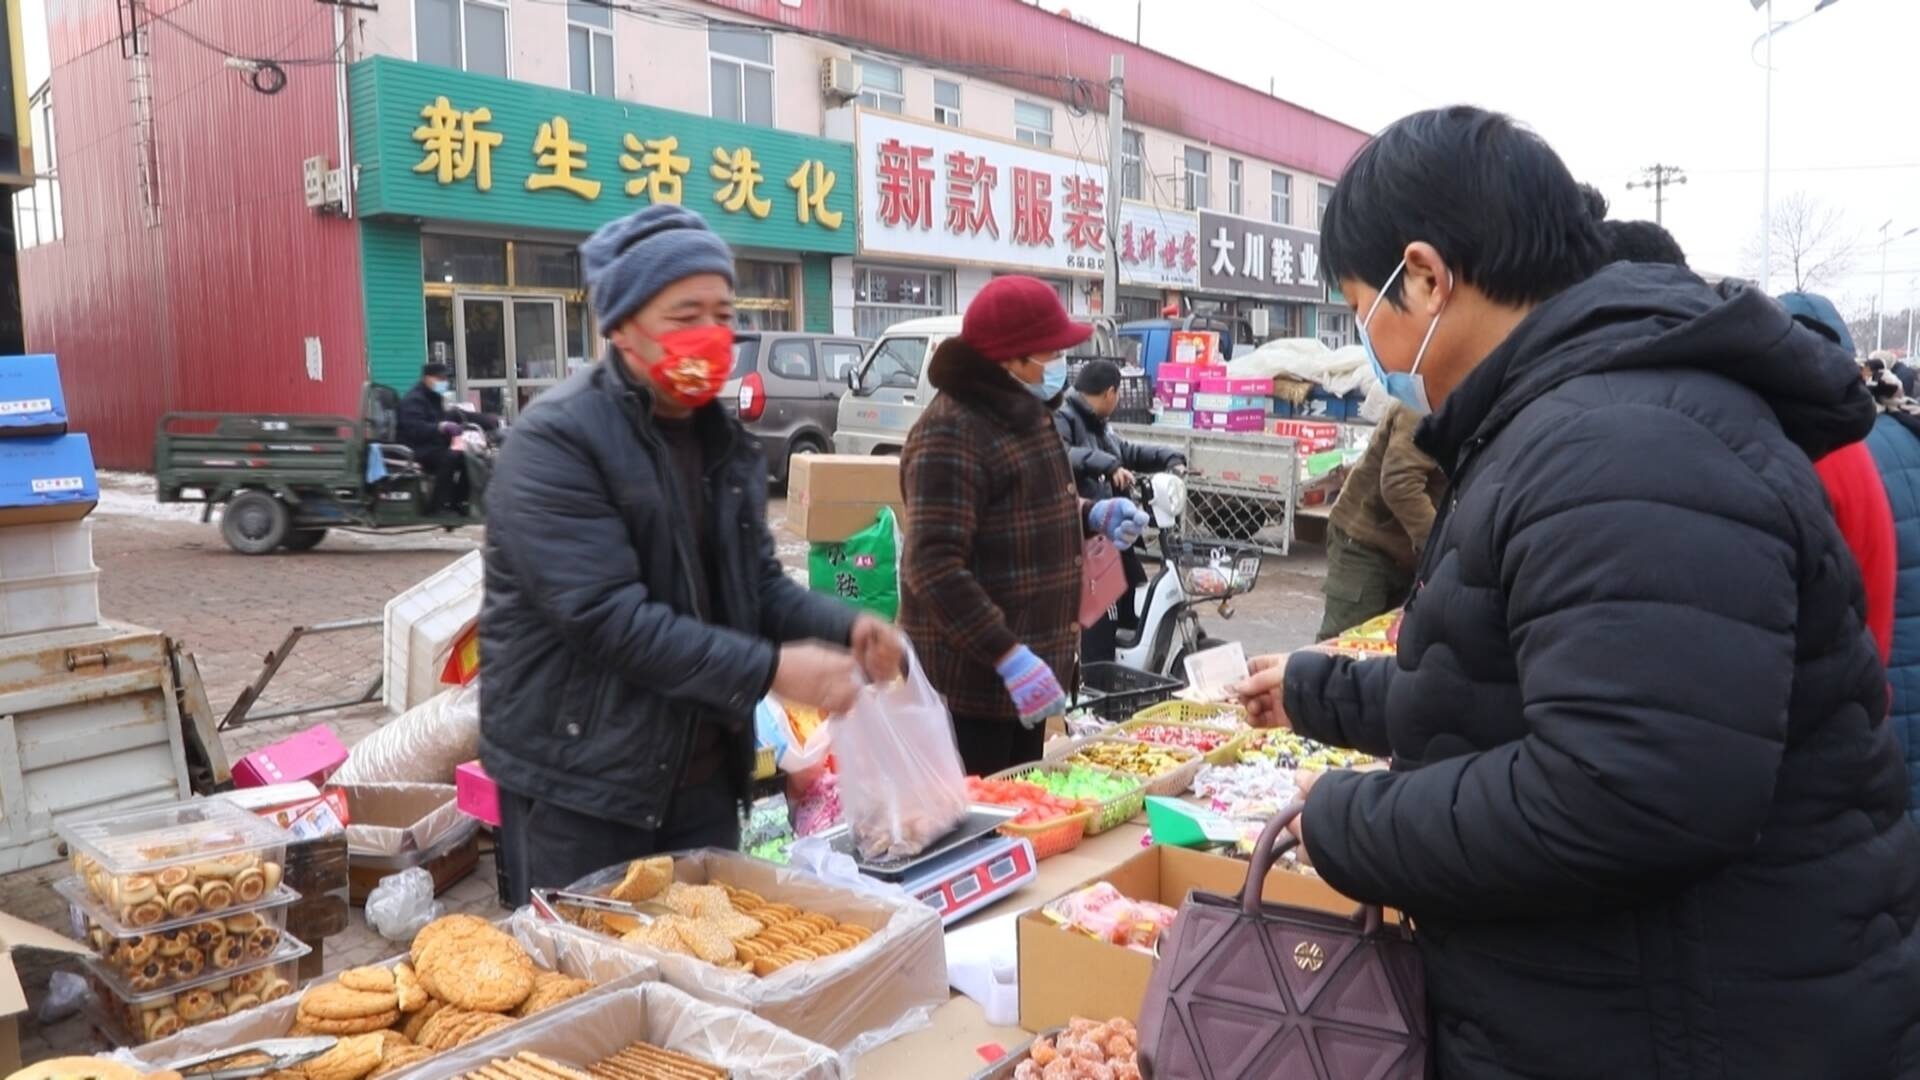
column 1119, row 520
column 1035, row 691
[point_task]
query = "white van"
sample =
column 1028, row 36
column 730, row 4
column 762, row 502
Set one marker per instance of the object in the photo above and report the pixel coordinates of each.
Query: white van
column 888, row 389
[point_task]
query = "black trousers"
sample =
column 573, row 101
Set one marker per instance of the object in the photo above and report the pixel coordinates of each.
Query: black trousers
column 988, row 746
column 545, row 846
column 449, row 471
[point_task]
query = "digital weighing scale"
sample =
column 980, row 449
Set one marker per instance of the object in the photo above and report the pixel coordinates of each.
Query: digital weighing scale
column 964, row 871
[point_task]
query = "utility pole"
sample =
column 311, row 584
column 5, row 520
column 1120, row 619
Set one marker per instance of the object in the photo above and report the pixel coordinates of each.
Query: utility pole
column 1116, row 168
column 1658, row 177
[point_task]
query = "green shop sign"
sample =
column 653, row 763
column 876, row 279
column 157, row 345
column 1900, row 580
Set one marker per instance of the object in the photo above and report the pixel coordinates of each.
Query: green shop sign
column 436, row 143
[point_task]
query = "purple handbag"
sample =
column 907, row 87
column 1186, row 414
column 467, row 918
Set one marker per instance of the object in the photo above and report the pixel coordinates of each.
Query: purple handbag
column 1248, row 989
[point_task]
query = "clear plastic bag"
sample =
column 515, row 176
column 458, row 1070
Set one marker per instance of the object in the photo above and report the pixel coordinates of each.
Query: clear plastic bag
column 402, row 903
column 902, row 785
column 420, row 746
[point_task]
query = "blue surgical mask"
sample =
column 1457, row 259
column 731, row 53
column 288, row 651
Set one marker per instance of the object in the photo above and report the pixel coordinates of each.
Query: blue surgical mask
column 1409, row 387
column 438, row 386
column 1052, row 382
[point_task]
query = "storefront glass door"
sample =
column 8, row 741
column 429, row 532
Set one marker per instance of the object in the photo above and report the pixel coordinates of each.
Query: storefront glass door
column 507, row 350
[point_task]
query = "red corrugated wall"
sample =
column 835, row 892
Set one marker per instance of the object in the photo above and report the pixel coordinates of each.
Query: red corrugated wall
column 1162, row 92
column 209, row 309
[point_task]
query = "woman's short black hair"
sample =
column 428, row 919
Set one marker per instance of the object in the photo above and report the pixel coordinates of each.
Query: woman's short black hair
column 1642, row 242
column 1491, row 196
column 1098, row 377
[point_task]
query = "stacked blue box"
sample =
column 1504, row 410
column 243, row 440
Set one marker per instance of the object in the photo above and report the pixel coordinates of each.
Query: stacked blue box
column 31, row 401
column 46, row 473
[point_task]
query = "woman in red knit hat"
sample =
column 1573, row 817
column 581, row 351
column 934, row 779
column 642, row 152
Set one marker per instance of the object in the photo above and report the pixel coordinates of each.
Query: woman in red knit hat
column 990, row 583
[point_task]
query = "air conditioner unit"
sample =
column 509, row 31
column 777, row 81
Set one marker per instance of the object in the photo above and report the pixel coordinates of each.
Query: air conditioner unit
column 313, row 179
column 839, row 81
column 1260, row 318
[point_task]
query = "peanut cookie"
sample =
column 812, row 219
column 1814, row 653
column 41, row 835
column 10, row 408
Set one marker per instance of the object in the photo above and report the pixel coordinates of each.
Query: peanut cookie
column 645, row 879
column 413, row 1029
column 336, row 1001
column 404, row 1058
column 350, row 1059
column 406, row 987
column 359, row 1025
column 449, row 926
column 483, row 972
column 373, row 980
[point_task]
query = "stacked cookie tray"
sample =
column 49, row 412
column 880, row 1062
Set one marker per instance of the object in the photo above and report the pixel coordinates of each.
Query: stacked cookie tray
column 185, row 908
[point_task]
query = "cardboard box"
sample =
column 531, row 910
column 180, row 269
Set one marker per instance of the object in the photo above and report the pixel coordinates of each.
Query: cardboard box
column 1167, row 397
column 1187, row 373
column 311, row 755
column 1321, row 405
column 1175, row 418
column 1065, row 974
column 16, row 934
column 46, row 478
column 1235, row 420
column 476, row 794
column 1195, row 347
column 1237, row 387
column 832, row 496
column 31, row 401
column 1204, row 402
column 400, row 826
column 1311, row 437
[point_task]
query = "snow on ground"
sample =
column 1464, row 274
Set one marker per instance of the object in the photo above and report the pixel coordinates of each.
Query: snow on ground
column 132, row 495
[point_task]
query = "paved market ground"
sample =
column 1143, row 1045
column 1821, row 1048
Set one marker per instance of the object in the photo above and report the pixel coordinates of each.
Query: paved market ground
column 161, row 568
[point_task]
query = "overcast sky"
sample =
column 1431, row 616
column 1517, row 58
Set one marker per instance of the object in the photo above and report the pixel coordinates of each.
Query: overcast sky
column 1614, row 86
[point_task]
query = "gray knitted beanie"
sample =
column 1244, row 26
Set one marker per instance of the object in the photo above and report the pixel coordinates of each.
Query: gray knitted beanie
column 629, row 261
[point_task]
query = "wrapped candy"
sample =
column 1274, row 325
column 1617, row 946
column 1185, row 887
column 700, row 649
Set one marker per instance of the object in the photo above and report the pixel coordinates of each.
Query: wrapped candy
column 1102, row 911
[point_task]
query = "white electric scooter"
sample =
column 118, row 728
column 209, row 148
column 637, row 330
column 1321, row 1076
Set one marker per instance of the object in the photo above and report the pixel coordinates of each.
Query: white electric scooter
column 1191, row 573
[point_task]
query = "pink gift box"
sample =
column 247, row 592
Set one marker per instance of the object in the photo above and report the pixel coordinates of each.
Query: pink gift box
column 1173, row 399
column 1235, row 420
column 1237, row 387
column 311, row 755
column 1172, row 372
column 476, row 794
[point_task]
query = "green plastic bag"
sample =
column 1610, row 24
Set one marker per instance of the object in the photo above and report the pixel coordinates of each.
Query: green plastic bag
column 864, row 570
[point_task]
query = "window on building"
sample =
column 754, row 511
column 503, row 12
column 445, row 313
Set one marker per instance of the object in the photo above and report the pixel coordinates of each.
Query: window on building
column 467, row 34
column 1320, row 211
column 946, row 103
column 1280, row 199
column 466, row 260
column 1234, row 170
column 741, row 65
column 884, row 295
column 1199, row 193
column 36, row 210
column 1133, row 164
column 882, row 86
column 552, row 266
column 1033, row 123
column 590, row 47
column 763, row 295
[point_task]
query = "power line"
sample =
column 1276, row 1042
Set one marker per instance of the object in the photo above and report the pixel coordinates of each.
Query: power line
column 1658, row 177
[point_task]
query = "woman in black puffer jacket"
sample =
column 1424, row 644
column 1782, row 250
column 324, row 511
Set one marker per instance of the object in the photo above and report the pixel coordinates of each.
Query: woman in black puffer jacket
column 1645, row 810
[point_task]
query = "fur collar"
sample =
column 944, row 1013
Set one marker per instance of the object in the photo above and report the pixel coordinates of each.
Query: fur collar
column 985, row 386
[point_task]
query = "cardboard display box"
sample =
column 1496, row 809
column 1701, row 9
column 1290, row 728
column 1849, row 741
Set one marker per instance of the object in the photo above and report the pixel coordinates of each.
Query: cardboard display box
column 46, row 478
column 832, row 496
column 16, row 934
column 394, row 827
column 31, row 400
column 1065, row 974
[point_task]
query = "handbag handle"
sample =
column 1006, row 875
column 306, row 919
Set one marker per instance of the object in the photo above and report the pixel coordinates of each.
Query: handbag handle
column 1276, row 841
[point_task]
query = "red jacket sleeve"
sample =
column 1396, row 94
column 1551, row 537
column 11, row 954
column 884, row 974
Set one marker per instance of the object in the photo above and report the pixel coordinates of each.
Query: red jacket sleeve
column 1866, row 523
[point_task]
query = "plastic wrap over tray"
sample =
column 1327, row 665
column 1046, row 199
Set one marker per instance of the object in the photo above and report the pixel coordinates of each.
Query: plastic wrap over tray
column 274, row 1020
column 852, row 1001
column 586, row 1030
column 422, row 745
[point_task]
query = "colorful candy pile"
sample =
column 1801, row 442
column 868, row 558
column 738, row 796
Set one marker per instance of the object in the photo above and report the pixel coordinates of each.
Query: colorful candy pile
column 1035, row 803
column 1137, row 759
column 1081, row 783
column 1284, row 749
column 1198, row 739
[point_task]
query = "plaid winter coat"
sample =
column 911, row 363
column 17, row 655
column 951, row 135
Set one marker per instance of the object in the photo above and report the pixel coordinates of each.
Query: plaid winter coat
column 994, row 535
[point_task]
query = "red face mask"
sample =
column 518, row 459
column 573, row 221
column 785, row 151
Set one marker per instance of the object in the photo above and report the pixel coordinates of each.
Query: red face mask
column 694, row 364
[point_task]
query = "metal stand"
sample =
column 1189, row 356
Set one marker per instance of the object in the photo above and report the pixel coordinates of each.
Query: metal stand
column 239, row 715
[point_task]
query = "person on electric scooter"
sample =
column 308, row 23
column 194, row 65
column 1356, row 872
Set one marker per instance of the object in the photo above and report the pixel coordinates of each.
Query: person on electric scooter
column 1105, row 465
column 425, row 426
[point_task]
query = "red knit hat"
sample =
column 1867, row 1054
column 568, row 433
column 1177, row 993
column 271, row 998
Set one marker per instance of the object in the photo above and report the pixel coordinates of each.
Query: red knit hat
column 1018, row 316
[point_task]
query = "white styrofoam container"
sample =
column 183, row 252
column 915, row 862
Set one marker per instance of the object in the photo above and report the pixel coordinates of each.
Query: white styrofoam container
column 36, row 551
column 419, row 627
column 47, row 577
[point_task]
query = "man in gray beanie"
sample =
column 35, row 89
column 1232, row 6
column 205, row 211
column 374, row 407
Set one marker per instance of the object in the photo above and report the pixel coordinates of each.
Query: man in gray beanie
column 635, row 613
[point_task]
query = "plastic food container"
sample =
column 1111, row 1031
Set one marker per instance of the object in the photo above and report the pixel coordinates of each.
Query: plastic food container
column 174, row 863
column 134, row 1018
column 1169, row 781
column 163, row 958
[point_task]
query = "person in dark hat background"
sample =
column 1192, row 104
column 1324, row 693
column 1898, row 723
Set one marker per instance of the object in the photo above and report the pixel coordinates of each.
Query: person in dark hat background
column 990, row 583
column 635, row 612
column 423, row 426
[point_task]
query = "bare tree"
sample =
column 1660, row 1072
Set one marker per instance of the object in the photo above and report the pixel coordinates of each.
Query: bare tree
column 1811, row 242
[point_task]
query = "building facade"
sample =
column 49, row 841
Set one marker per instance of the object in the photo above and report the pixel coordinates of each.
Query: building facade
column 870, row 161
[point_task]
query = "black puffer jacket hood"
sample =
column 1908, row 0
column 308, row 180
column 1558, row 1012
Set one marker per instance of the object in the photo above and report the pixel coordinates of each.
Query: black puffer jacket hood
column 1636, row 316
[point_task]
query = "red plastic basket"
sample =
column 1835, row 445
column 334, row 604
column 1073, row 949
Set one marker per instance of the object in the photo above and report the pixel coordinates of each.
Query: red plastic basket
column 1054, row 836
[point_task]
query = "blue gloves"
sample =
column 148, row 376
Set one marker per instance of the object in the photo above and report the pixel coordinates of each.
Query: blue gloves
column 1118, row 519
column 1030, row 682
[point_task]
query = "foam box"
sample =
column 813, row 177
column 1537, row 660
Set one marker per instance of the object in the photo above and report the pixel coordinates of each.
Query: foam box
column 31, row 401
column 46, row 478
column 312, row 755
